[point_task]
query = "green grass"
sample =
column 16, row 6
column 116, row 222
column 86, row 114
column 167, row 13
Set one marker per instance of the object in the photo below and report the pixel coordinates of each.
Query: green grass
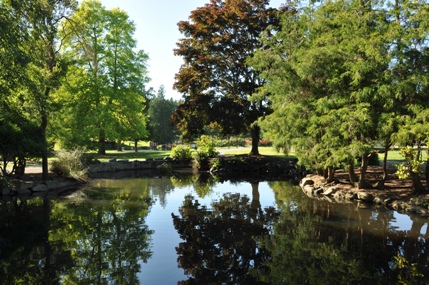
column 131, row 155
column 263, row 150
column 393, row 155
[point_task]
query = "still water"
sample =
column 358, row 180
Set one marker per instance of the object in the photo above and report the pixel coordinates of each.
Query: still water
column 194, row 230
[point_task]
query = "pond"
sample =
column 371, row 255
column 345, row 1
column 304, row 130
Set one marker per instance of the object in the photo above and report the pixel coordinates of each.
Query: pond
column 194, row 230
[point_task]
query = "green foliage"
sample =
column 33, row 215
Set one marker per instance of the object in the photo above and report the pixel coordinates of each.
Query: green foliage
column 160, row 147
column 207, row 146
column 159, row 111
column 181, row 152
column 402, row 171
column 334, row 90
column 69, row 164
column 408, row 272
column 412, row 163
column 19, row 140
column 102, row 96
column 217, row 164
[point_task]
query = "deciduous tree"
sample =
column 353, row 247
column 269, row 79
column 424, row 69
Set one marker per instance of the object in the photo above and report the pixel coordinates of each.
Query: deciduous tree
column 216, row 83
column 104, row 93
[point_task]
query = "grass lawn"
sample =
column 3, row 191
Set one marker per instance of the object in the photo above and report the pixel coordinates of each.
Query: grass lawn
column 263, row 150
column 393, row 155
column 131, row 155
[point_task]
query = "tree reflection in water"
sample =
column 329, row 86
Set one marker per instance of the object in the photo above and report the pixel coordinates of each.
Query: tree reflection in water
column 220, row 244
column 102, row 236
column 98, row 238
column 311, row 246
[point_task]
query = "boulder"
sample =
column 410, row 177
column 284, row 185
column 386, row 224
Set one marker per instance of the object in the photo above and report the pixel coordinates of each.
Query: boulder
column 306, row 181
column 350, row 196
column 40, row 187
column 330, row 191
column 308, row 189
column 5, row 191
column 364, row 196
column 339, row 196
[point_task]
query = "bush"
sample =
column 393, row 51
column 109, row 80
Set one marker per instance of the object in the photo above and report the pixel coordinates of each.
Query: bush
column 181, row 152
column 160, row 147
column 206, row 146
column 200, row 158
column 69, row 164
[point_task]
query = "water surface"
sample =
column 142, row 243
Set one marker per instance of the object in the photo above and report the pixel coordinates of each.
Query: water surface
column 193, row 230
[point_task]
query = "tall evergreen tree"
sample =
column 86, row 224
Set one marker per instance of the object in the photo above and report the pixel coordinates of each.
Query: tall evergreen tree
column 327, row 83
column 159, row 111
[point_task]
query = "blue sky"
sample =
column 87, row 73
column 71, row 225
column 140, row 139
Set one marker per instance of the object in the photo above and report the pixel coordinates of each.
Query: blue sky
column 157, row 34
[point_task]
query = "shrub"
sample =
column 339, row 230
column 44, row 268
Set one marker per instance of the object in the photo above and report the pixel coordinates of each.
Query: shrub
column 160, row 147
column 207, row 146
column 69, row 164
column 200, row 158
column 181, row 152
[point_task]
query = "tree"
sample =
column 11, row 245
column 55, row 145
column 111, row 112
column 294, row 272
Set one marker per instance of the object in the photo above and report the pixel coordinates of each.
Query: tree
column 409, row 36
column 40, row 21
column 13, row 61
column 328, row 83
column 159, row 111
column 220, row 244
column 104, row 93
column 216, row 83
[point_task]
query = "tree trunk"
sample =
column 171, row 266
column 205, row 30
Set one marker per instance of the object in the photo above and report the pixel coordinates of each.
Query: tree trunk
column 102, row 143
column 255, row 132
column 136, row 141
column 255, row 206
column 427, row 171
column 119, row 148
column 363, row 168
column 381, row 183
column 352, row 175
column 331, row 172
column 415, row 179
column 43, row 126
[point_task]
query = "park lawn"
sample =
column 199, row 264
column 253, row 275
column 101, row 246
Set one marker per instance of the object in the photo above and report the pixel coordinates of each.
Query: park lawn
column 130, row 155
column 393, row 155
column 263, row 150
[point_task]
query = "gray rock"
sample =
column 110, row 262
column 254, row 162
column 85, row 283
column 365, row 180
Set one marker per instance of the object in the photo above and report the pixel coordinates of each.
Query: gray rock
column 350, row 196
column 339, row 196
column 364, row 196
column 317, row 191
column 308, row 190
column 52, row 184
column 6, row 191
column 25, row 188
column 306, row 181
column 40, row 188
column 330, row 191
